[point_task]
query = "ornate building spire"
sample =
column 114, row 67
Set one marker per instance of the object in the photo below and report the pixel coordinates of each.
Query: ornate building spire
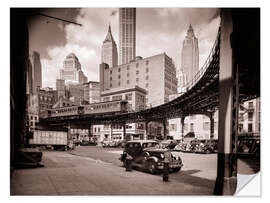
column 190, row 32
column 109, row 37
column 109, row 53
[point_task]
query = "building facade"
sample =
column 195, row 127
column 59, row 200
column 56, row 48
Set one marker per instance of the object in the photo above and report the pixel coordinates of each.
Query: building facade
column 181, row 81
column 60, row 88
column 109, row 52
column 127, row 34
column 92, row 92
column 136, row 98
column 249, row 117
column 190, row 55
column 145, row 73
column 75, row 92
column 72, row 70
column 34, row 73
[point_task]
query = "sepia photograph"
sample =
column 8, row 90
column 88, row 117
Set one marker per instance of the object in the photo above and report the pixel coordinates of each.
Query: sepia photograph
column 134, row 100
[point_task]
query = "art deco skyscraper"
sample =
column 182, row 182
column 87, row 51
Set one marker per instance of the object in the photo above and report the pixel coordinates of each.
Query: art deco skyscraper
column 190, row 55
column 72, row 70
column 109, row 53
column 127, row 34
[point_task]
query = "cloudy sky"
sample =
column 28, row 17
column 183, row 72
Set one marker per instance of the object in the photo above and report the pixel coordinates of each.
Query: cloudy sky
column 158, row 30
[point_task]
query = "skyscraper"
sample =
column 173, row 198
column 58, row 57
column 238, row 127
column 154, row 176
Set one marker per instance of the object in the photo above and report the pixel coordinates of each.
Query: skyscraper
column 72, row 70
column 109, row 53
column 127, row 34
column 190, row 55
column 35, row 66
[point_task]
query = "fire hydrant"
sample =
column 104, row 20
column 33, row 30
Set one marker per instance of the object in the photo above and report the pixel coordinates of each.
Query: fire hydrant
column 166, row 162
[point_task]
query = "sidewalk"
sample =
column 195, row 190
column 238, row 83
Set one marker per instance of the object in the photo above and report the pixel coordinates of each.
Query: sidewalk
column 66, row 174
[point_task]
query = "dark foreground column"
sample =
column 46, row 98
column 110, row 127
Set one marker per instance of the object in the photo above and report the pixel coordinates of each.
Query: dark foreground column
column 226, row 181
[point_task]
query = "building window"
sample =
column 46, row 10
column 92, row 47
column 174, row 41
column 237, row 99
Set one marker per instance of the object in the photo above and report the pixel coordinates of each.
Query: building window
column 111, row 78
column 147, row 70
column 105, row 99
column 119, row 76
column 250, row 127
column 146, row 62
column 206, row 126
column 241, row 117
column 119, row 69
column 110, row 85
column 128, row 96
column 119, row 83
column 127, row 67
column 127, row 74
column 146, row 77
column 250, row 105
column 118, row 97
column 110, row 71
column 137, row 72
column 137, row 79
column 250, row 116
column 240, row 127
column 192, row 127
column 127, row 81
column 137, row 65
column 146, row 85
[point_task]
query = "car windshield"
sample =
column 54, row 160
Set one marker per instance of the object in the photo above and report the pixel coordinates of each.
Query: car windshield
column 149, row 144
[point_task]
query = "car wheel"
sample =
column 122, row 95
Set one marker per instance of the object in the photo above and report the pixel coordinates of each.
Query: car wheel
column 176, row 170
column 152, row 167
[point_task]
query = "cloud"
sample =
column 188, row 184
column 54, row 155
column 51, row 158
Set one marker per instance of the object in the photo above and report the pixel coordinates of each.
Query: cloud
column 158, row 30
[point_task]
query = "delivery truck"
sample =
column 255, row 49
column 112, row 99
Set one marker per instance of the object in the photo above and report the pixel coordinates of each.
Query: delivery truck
column 53, row 139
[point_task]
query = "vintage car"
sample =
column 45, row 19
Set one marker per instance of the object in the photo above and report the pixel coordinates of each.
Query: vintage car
column 147, row 154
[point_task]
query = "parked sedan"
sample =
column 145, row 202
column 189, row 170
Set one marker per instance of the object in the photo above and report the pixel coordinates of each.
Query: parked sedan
column 148, row 155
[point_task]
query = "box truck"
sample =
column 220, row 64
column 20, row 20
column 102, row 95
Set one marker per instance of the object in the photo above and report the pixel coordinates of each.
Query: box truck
column 54, row 139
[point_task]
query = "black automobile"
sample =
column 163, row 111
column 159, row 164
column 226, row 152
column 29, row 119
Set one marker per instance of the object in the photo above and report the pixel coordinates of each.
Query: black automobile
column 147, row 154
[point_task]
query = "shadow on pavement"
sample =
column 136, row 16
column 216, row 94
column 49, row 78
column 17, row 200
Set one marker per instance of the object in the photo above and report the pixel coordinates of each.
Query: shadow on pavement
column 252, row 162
column 186, row 177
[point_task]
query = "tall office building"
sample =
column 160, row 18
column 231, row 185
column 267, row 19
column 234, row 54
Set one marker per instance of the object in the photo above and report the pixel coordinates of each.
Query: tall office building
column 60, row 88
column 72, row 70
column 181, row 81
column 109, row 53
column 127, row 34
column 145, row 73
column 34, row 74
column 190, row 55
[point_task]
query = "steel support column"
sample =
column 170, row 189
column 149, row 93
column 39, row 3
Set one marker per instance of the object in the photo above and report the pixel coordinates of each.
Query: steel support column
column 211, row 125
column 69, row 131
column 182, row 127
column 146, row 130
column 111, row 131
column 226, row 180
column 164, row 129
column 124, row 130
